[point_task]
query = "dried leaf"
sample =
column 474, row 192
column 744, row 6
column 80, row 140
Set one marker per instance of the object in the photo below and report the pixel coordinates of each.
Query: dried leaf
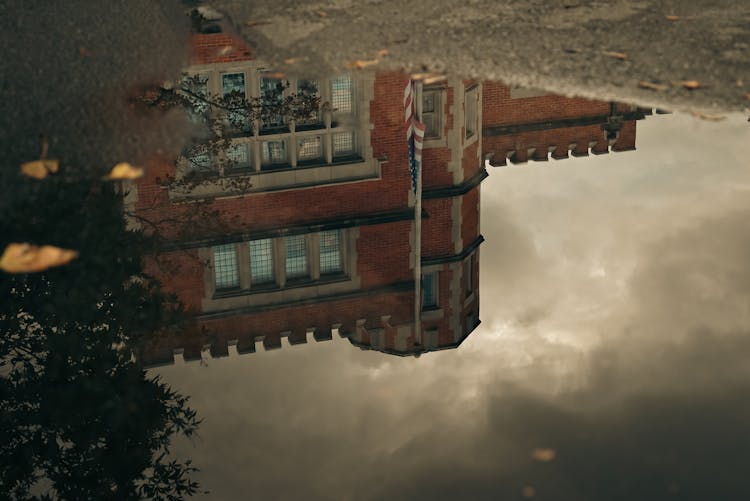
column 545, row 455
column 38, row 169
column 747, row 96
column 434, row 79
column 292, row 60
column 617, row 55
column 708, row 117
column 124, row 170
column 360, row 64
column 83, row 52
column 672, row 18
column 652, row 85
column 383, row 53
column 26, row 258
column 691, row 84
column 320, row 13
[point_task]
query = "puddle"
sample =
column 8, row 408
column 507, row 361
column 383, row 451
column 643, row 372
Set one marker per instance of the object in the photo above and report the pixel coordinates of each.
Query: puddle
column 317, row 281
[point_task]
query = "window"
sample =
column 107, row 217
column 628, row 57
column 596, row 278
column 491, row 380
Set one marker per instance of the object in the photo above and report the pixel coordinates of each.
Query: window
column 310, row 149
column 259, row 265
column 330, row 252
column 273, row 153
column 308, row 88
column 196, row 87
column 233, row 84
column 233, row 90
column 342, row 94
column 226, row 275
column 343, row 144
column 471, row 104
column 296, row 256
column 199, row 162
column 429, row 291
column 238, row 157
column 261, row 261
column 432, row 112
column 272, row 94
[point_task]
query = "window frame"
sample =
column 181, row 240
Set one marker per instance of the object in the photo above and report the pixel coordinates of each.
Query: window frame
column 238, row 278
column 471, row 95
column 280, row 278
column 435, row 291
column 438, row 111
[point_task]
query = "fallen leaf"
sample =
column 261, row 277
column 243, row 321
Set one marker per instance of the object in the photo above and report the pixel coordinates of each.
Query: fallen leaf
column 545, row 455
column 250, row 24
column 434, row 79
column 383, row 52
column 691, row 84
column 320, row 13
column 83, row 52
column 747, row 96
column 38, row 169
column 617, row 55
column 708, row 117
column 124, row 170
column 27, row 258
column 292, row 60
column 360, row 64
column 652, row 85
column 672, row 18
column 528, row 492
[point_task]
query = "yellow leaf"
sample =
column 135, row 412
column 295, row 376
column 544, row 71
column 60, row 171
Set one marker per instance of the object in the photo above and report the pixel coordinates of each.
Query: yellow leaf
column 652, row 85
column 38, row 169
column 124, row 170
column 617, row 55
column 27, row 258
column 708, row 117
column 691, row 84
column 672, row 18
column 360, row 64
column 545, row 455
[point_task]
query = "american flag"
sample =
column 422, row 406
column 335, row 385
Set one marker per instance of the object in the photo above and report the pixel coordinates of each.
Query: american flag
column 414, row 132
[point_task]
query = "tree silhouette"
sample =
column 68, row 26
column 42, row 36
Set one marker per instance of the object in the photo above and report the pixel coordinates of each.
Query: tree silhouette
column 79, row 416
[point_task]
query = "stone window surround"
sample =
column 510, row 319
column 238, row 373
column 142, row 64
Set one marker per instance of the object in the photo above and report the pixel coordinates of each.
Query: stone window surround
column 281, row 290
column 441, row 96
column 472, row 92
column 435, row 290
column 361, row 166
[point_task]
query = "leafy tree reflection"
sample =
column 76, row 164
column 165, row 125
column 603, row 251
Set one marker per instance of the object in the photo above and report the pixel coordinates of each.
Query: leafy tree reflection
column 79, row 418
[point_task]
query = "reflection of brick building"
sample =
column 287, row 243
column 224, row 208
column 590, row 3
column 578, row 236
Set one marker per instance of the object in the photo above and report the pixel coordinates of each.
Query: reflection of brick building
column 323, row 239
column 521, row 125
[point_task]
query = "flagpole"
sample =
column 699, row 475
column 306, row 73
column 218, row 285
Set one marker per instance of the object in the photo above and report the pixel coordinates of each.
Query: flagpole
column 418, row 258
column 417, row 245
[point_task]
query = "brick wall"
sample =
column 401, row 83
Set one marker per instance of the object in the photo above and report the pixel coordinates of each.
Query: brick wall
column 499, row 109
column 218, row 48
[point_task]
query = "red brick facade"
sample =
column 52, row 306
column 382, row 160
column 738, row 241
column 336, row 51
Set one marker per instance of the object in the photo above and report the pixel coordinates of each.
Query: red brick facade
column 373, row 305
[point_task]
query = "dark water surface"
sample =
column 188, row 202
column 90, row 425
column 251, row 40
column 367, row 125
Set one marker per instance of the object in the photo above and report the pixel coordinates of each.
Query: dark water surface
column 252, row 317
